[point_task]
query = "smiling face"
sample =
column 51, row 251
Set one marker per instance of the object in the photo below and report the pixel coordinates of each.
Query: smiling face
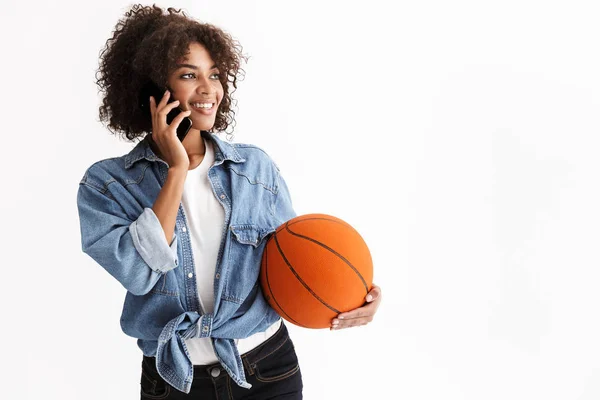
column 195, row 83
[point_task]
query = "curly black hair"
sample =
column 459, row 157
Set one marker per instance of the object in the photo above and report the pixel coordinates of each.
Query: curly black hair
column 145, row 47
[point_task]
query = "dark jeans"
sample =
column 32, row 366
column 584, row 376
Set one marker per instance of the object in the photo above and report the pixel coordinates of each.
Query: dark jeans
column 271, row 368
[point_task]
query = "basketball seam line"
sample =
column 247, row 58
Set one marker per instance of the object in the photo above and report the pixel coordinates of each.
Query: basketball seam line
column 300, row 279
column 271, row 291
column 315, row 218
column 334, row 252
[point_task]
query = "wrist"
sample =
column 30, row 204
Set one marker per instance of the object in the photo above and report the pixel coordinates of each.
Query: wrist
column 177, row 170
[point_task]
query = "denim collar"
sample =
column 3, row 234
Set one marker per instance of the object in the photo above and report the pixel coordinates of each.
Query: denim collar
column 223, row 151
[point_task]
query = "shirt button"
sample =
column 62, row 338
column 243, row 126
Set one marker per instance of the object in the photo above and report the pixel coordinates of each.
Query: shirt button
column 222, row 196
column 205, row 329
column 184, row 229
column 190, row 275
column 215, row 372
column 176, row 262
column 218, row 276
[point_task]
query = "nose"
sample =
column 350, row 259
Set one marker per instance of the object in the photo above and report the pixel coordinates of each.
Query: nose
column 205, row 86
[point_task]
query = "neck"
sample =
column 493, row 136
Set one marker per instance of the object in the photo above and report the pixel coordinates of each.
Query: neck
column 193, row 144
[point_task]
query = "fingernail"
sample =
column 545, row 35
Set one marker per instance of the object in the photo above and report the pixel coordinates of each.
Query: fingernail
column 341, row 317
column 369, row 297
column 335, row 322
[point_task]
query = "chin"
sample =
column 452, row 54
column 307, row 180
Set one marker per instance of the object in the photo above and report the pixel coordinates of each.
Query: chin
column 202, row 125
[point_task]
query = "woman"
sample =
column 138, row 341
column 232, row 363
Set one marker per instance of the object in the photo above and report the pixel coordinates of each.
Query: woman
column 182, row 223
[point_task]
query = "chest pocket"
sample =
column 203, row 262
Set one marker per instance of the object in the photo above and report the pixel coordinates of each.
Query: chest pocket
column 250, row 234
column 246, row 246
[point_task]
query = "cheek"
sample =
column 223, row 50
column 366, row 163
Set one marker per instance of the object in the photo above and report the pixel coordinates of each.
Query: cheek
column 180, row 94
column 220, row 93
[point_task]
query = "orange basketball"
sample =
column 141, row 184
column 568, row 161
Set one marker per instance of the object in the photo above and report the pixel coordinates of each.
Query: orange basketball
column 314, row 267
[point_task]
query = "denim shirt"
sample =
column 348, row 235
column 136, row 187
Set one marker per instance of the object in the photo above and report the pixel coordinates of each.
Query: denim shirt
column 120, row 231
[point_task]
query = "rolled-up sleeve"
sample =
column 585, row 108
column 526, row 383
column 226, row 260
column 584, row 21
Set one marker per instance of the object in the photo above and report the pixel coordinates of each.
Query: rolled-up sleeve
column 149, row 240
column 135, row 252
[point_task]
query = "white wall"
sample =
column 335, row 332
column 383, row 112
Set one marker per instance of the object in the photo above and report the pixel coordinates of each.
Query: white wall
column 460, row 138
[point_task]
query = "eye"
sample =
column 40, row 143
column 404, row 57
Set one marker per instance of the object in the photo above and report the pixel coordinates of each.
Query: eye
column 194, row 75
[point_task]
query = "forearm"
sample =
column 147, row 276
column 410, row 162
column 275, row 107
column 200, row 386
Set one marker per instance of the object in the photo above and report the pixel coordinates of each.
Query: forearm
column 167, row 202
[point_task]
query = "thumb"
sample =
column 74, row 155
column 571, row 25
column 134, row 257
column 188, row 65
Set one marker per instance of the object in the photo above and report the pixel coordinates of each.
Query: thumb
column 373, row 294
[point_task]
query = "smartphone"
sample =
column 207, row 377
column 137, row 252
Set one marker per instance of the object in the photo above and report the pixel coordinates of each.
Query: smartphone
column 152, row 89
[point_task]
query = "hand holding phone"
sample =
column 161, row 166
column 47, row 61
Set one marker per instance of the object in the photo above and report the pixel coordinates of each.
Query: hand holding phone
column 152, row 89
column 164, row 135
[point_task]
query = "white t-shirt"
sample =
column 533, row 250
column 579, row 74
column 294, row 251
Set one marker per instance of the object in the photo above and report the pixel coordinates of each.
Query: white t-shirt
column 205, row 219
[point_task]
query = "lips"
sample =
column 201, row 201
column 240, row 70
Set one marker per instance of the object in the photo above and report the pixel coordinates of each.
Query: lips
column 204, row 111
column 202, row 101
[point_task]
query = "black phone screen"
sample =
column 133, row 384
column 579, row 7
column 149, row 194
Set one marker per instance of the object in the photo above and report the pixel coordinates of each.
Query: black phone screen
column 152, row 89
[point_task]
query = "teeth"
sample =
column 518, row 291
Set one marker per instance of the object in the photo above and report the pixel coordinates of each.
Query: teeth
column 202, row 105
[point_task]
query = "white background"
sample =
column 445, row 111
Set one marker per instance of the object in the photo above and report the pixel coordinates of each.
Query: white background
column 460, row 138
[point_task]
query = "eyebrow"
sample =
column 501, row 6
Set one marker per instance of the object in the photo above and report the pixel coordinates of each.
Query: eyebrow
column 192, row 66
